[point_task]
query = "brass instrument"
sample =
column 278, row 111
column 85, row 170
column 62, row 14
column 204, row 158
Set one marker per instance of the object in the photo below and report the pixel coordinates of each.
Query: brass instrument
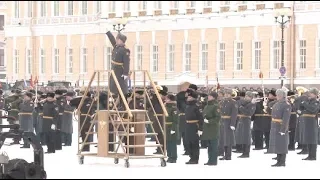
column 234, row 93
column 301, row 90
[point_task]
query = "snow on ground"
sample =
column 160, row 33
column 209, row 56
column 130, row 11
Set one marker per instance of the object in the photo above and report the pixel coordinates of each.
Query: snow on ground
column 64, row 165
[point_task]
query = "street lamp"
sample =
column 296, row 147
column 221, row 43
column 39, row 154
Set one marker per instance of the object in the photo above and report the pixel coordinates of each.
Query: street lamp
column 282, row 16
column 119, row 24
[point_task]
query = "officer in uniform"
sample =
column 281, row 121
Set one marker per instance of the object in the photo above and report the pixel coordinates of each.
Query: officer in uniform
column 12, row 106
column 239, row 98
column 309, row 111
column 243, row 131
column 221, row 129
column 39, row 110
column 194, row 125
column 300, row 130
column 67, row 123
column 120, row 63
column 60, row 102
column 293, row 121
column 268, row 109
column 211, row 126
column 26, row 117
column 259, row 118
column 181, row 105
column 50, row 117
column 279, row 133
column 203, row 103
column 171, row 128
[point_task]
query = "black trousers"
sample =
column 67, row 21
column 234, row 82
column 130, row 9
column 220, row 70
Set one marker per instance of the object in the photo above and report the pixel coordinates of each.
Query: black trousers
column 266, row 138
column 281, row 158
column 67, row 139
column 204, row 143
column 312, row 150
column 291, row 139
column 227, row 152
column 83, row 135
column 246, row 149
column 194, row 150
column 50, row 139
column 258, row 139
column 58, row 140
column 185, row 143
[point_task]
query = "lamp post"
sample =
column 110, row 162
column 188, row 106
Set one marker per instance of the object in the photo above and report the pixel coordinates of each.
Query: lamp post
column 120, row 24
column 282, row 16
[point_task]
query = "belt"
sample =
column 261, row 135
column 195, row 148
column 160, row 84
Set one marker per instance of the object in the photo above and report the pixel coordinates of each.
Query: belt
column 262, row 115
column 243, row 116
column 276, row 120
column 192, row 121
column 40, row 114
column 67, row 112
column 14, row 110
column 61, row 114
column 47, row 117
column 225, row 117
column 168, row 123
column 293, row 113
column 182, row 114
column 308, row 115
column 25, row 113
column 116, row 63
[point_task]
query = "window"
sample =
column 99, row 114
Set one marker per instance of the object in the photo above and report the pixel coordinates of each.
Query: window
column 222, row 56
column 127, row 6
column 84, row 7
column 193, row 4
column 276, row 54
column 139, row 57
column 42, row 61
column 208, row 4
column 84, row 62
column 187, row 60
column 30, row 4
column 239, row 57
column 29, row 61
column 303, row 54
column 56, row 9
column 70, row 60
column 204, row 57
column 98, row 6
column 16, row 9
column 171, row 51
column 144, row 5
column 157, row 5
column 175, row 4
column 155, row 58
column 108, row 58
column 56, row 61
column 43, row 8
column 70, row 8
column 1, row 57
column 257, row 55
column 112, row 6
column 16, row 61
column 1, row 22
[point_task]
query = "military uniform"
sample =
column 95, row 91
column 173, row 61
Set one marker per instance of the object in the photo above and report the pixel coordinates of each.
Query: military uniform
column 194, row 124
column 270, row 104
column 229, row 113
column 85, row 121
column 279, row 133
column 243, row 130
column 211, row 128
column 120, row 64
column 300, row 129
column 310, row 109
column 171, row 129
column 50, row 117
column 260, row 118
column 181, row 104
column 60, row 102
column 39, row 132
column 292, row 125
column 26, row 119
column 67, row 123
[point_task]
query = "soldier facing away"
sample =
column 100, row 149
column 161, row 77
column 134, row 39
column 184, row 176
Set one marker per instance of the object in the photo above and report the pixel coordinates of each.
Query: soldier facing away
column 279, row 132
column 211, row 126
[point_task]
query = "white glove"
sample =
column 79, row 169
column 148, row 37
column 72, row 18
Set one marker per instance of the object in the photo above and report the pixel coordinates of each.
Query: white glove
column 253, row 101
column 124, row 77
column 299, row 112
column 206, row 121
column 282, row 133
column 232, row 128
column 53, row 127
column 132, row 129
column 172, row 132
column 199, row 133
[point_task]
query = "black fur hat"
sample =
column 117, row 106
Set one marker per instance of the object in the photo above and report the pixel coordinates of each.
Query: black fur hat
column 164, row 90
column 58, row 92
column 290, row 93
column 50, row 94
column 260, row 93
column 193, row 87
column 43, row 96
column 273, row 92
column 193, row 94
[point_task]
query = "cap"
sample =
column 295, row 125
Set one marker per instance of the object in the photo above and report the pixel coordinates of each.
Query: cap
column 122, row 37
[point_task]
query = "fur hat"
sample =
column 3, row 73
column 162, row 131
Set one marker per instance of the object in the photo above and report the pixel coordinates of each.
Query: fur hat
column 273, row 92
column 50, row 94
column 43, row 96
column 193, row 87
column 58, row 92
column 70, row 93
column 164, row 90
column 193, row 94
column 214, row 94
column 314, row 91
column 290, row 93
column 122, row 37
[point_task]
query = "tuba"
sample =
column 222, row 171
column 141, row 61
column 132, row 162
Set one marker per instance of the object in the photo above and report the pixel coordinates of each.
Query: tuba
column 234, row 93
column 301, row 90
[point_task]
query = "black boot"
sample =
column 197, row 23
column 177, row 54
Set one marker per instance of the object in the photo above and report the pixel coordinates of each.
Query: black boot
column 276, row 158
column 304, row 150
column 281, row 161
column 246, row 151
column 312, row 149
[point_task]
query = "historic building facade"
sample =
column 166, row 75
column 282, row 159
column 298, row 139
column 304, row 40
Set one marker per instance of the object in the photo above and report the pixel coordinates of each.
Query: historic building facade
column 176, row 41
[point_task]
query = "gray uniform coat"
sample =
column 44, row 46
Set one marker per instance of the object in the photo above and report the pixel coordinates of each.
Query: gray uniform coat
column 229, row 112
column 243, row 130
column 299, row 126
column 281, row 112
column 26, row 116
column 67, row 123
column 120, row 65
column 310, row 109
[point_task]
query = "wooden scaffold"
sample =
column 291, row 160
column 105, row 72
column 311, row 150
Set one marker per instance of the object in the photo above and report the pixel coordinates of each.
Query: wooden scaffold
column 114, row 126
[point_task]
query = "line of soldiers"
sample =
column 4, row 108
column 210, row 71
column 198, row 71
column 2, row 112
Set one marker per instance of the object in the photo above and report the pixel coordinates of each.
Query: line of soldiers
column 49, row 115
